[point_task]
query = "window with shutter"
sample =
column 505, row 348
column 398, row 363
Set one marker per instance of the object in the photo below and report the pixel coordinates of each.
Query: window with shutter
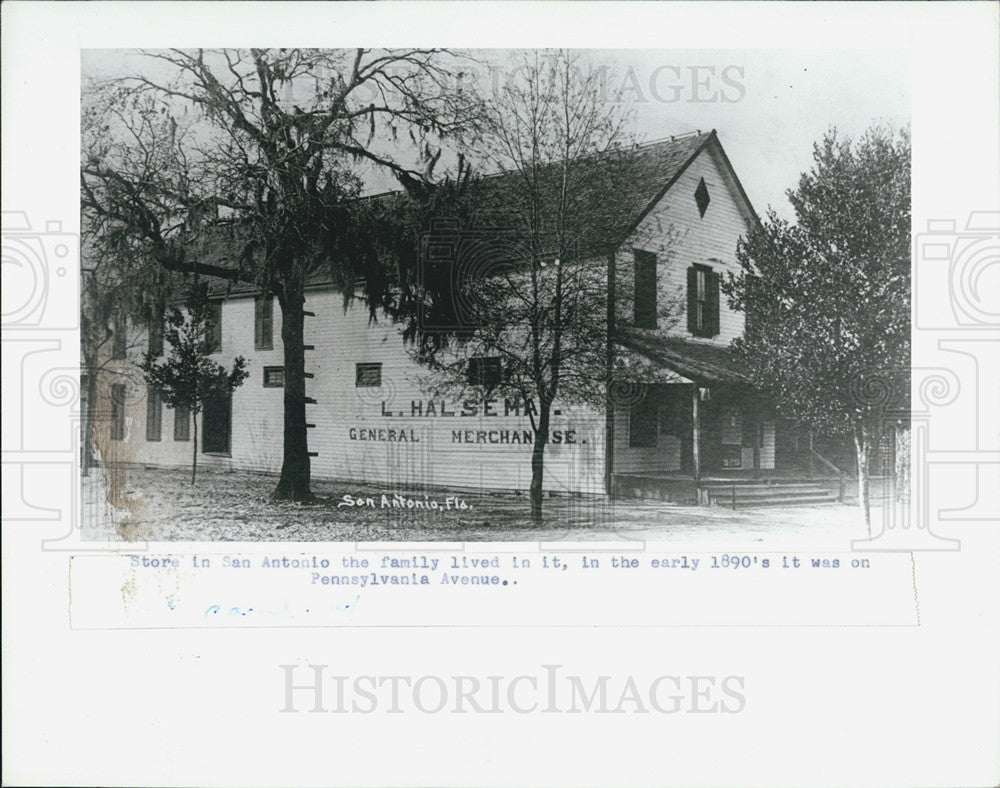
column 216, row 422
column 117, row 411
column 703, row 301
column 119, row 341
column 182, row 424
column 368, row 375
column 645, row 290
column 155, row 335
column 274, row 377
column 643, row 423
column 484, row 371
column 712, row 303
column 263, row 334
column 154, row 415
column 215, row 327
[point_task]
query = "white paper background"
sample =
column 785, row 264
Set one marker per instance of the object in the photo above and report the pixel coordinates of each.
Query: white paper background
column 826, row 706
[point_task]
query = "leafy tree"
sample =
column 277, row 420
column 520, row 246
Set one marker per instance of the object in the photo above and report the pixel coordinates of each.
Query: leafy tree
column 189, row 377
column 273, row 140
column 827, row 296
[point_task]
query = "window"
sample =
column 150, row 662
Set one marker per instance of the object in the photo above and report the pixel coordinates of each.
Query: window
column 182, row 424
column 645, row 289
column 154, row 415
column 118, row 411
column 703, row 301
column 274, row 377
column 263, row 323
column 216, row 422
column 215, row 326
column 701, row 198
column 154, row 331
column 642, row 422
column 119, row 339
column 368, row 375
column 484, row 371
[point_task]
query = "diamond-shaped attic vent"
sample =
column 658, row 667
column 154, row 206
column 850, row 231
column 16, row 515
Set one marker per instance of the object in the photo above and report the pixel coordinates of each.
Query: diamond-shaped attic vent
column 701, row 197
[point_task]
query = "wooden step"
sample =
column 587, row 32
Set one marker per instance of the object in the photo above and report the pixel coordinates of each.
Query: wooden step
column 766, row 492
column 800, row 501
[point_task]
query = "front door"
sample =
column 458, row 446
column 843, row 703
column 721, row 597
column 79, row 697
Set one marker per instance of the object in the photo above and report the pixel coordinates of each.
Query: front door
column 217, row 418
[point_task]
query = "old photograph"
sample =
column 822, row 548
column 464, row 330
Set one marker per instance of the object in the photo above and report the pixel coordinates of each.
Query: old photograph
column 500, row 393
column 481, row 295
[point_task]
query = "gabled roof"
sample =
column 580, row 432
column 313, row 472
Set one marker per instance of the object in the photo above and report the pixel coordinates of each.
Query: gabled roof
column 613, row 192
column 639, row 179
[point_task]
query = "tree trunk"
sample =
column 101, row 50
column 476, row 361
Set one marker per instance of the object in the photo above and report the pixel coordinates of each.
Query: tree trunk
column 194, row 451
column 861, row 444
column 538, row 462
column 293, row 484
column 88, row 420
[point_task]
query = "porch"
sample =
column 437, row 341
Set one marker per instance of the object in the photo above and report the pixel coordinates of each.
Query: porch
column 710, row 437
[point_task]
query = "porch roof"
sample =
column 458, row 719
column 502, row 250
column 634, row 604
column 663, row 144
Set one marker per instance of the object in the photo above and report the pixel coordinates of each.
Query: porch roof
column 699, row 361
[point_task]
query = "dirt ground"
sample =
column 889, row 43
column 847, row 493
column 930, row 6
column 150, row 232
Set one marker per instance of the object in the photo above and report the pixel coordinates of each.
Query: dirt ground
column 161, row 506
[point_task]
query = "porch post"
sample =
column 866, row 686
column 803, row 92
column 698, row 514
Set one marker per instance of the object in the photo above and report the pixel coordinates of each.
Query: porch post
column 609, row 401
column 758, row 425
column 696, row 435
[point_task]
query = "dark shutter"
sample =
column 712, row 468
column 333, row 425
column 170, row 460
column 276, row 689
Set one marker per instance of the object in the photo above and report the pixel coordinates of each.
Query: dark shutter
column 216, row 421
column 712, row 303
column 692, row 305
column 155, row 331
column 484, row 371
column 118, row 343
column 263, row 324
column 182, row 424
column 645, row 290
column 258, row 322
column 215, row 327
column 154, row 415
column 117, row 412
column 643, row 421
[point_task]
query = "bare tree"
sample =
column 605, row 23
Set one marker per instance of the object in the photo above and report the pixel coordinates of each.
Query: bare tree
column 529, row 276
column 272, row 139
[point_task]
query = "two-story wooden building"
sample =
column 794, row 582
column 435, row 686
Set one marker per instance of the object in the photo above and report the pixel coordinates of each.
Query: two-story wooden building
column 372, row 420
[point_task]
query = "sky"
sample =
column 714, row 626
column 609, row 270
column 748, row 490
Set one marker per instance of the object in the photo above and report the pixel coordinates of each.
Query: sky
column 768, row 106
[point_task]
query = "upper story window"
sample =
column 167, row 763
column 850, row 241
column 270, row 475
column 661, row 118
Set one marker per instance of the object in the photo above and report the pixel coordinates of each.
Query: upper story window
column 215, row 326
column 154, row 414
column 263, row 323
column 645, row 290
column 484, row 371
column 703, row 301
column 119, row 340
column 117, row 411
column 701, row 198
column 155, row 336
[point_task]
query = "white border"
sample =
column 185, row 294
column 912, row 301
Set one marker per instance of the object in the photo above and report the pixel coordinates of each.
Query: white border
column 839, row 707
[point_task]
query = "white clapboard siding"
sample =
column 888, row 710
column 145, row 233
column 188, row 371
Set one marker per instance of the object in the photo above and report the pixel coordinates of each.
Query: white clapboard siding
column 680, row 238
column 342, row 339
